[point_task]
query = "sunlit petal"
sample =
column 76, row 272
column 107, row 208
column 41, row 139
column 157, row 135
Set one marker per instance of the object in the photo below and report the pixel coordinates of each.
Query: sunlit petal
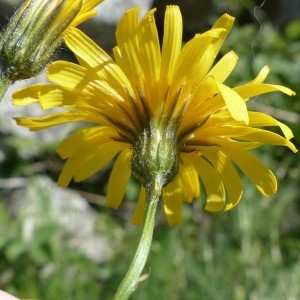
column 234, row 102
column 213, row 184
column 257, row 172
column 172, row 197
column 223, row 67
column 119, row 179
column 56, row 119
column 32, row 94
column 86, row 161
column 95, row 135
column 171, row 42
column 255, row 89
column 228, row 174
column 91, row 56
column 189, row 181
column 139, row 213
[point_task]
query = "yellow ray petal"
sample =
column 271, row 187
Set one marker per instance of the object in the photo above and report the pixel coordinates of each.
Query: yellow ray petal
column 86, row 161
column 127, row 26
column 119, row 178
column 139, row 213
column 87, row 89
column 262, row 75
column 82, row 81
column 225, row 21
column 245, row 134
column 139, row 56
column 86, row 11
column 98, row 158
column 126, row 54
column 234, row 103
column 90, row 55
column 136, row 53
column 189, row 70
column 98, row 134
column 204, row 91
column 172, row 196
column 199, row 106
column 250, row 90
column 189, row 181
column 49, row 96
column 213, row 184
column 228, row 174
column 171, row 41
column 31, row 94
column 52, row 95
column 257, row 172
column 148, row 48
column 82, row 18
column 206, row 51
column 56, row 119
column 206, row 108
column 69, row 75
column 190, row 60
column 223, row 67
column 89, row 4
column 256, row 119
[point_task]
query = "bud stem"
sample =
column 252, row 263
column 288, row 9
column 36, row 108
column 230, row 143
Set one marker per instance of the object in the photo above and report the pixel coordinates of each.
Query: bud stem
column 132, row 277
column 4, row 85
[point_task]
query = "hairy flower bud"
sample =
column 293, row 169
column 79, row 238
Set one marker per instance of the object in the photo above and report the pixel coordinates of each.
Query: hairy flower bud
column 33, row 35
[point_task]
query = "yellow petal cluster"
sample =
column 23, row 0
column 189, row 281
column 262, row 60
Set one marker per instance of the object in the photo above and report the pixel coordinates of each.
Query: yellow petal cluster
column 179, row 93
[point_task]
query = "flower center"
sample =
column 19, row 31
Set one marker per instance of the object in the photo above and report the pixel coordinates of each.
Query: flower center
column 155, row 155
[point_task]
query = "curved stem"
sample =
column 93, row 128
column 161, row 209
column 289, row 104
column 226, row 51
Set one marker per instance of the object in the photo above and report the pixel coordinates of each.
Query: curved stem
column 4, row 85
column 132, row 276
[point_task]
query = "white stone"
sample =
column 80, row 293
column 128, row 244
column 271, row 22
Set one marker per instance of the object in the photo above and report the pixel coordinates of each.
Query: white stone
column 110, row 11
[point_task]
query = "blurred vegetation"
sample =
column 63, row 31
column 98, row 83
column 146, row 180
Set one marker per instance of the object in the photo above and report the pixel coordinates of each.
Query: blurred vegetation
column 252, row 252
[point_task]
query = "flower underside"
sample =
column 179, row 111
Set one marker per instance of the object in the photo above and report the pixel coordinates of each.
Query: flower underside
column 161, row 111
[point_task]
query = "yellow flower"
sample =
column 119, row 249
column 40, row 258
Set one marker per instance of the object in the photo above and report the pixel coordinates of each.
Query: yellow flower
column 163, row 112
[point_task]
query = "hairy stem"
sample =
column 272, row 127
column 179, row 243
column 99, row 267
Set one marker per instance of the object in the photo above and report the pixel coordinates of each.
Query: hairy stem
column 132, row 277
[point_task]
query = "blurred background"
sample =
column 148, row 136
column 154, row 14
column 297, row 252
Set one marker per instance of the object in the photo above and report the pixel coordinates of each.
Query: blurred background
column 65, row 244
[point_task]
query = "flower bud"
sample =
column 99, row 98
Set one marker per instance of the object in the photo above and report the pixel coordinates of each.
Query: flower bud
column 33, row 35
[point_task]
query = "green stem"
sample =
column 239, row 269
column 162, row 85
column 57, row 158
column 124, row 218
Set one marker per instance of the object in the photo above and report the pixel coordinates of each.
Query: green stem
column 4, row 85
column 132, row 276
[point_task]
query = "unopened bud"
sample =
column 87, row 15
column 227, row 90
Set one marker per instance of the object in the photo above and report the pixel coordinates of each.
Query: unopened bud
column 33, row 35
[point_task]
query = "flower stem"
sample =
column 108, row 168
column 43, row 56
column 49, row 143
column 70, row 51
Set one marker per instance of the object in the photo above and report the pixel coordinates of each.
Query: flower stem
column 132, row 277
column 4, row 85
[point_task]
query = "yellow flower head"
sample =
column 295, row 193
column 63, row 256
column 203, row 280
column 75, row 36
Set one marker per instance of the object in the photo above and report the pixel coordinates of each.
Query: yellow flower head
column 162, row 111
column 36, row 31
